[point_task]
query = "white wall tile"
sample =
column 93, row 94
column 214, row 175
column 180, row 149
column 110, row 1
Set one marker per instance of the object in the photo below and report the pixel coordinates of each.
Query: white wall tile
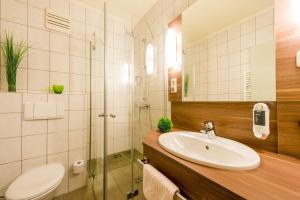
column 245, row 56
column 234, row 72
column 10, row 102
column 77, row 12
column 77, row 102
column 58, row 125
column 234, row 59
column 265, row 19
column 9, row 8
column 38, row 39
column 248, row 26
column 38, row 59
column 32, row 163
column 19, row 31
column 36, row 17
column 34, row 127
column 10, row 150
column 39, row 3
column 222, row 37
column 34, row 146
column 265, row 34
column 223, row 74
column 248, row 40
column 94, row 18
column 60, row 6
column 222, row 62
column 59, row 62
column 57, row 143
column 76, row 120
column 30, row 97
column 234, row 86
column 77, row 47
column 234, row 45
column 10, row 125
column 59, row 43
column 78, row 30
column 77, row 139
column 59, row 98
column 8, row 173
column 38, row 80
column 77, row 83
column 77, row 65
column 234, row 32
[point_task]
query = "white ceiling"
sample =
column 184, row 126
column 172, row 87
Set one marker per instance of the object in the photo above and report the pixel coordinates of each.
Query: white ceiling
column 208, row 16
column 132, row 10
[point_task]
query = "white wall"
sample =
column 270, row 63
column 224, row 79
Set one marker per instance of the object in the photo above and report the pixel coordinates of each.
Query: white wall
column 58, row 58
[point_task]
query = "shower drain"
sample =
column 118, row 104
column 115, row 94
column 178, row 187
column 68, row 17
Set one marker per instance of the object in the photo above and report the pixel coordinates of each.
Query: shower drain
column 138, row 180
column 117, row 155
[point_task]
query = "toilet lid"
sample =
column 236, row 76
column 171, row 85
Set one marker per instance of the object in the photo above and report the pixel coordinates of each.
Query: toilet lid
column 36, row 182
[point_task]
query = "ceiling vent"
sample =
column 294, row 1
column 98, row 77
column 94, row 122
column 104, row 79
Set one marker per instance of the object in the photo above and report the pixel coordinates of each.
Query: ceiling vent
column 58, row 22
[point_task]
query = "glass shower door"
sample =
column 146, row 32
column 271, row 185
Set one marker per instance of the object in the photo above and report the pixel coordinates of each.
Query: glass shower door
column 118, row 105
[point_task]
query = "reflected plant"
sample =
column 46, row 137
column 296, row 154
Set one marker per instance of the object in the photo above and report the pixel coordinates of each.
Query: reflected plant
column 186, row 84
column 13, row 55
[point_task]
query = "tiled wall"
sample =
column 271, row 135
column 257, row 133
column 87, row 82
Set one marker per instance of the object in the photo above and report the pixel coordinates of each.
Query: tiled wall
column 58, row 58
column 216, row 65
column 153, row 88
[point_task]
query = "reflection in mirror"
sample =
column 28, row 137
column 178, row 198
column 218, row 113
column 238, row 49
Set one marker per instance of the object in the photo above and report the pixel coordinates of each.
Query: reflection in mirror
column 229, row 51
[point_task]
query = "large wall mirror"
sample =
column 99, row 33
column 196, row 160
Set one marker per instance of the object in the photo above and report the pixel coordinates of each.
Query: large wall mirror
column 229, row 51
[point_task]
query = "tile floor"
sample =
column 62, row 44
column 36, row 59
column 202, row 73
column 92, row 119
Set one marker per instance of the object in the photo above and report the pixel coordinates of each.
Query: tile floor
column 119, row 181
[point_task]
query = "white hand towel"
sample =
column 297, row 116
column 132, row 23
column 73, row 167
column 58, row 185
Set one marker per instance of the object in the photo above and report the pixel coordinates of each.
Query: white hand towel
column 156, row 186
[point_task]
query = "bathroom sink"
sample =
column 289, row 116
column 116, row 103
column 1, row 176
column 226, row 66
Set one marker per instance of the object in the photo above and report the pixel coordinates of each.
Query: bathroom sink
column 217, row 152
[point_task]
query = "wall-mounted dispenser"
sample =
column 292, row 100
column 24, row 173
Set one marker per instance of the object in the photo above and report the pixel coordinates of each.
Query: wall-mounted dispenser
column 261, row 113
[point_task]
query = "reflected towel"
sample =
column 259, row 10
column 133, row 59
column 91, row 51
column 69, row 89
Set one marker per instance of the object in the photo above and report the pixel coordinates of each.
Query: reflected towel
column 156, row 186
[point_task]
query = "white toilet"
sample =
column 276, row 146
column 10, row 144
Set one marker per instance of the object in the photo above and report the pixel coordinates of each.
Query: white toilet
column 39, row 183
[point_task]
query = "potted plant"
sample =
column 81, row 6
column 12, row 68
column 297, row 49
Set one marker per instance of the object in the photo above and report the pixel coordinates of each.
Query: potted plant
column 13, row 55
column 165, row 124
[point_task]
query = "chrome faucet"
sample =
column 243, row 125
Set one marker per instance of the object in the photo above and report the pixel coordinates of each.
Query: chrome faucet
column 209, row 129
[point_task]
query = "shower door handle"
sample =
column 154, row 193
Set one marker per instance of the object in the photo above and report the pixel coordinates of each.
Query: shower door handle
column 113, row 115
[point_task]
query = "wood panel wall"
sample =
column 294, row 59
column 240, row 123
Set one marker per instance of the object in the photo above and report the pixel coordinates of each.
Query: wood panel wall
column 232, row 120
column 287, row 28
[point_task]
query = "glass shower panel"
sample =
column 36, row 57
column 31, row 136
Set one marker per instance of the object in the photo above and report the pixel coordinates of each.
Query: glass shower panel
column 95, row 44
column 119, row 65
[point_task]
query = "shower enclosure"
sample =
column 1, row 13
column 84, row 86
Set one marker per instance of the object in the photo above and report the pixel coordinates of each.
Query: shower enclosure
column 117, row 117
column 111, row 168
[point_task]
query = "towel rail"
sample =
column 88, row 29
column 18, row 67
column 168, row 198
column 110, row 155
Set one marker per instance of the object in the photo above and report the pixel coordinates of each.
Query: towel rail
column 145, row 161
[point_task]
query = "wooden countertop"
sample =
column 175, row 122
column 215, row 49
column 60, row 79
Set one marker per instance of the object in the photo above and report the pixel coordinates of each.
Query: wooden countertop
column 278, row 176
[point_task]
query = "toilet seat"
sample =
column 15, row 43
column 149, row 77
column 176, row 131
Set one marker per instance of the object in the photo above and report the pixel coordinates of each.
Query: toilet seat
column 36, row 182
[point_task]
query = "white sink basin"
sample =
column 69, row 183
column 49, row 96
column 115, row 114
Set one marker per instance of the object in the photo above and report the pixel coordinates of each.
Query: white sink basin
column 217, row 152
